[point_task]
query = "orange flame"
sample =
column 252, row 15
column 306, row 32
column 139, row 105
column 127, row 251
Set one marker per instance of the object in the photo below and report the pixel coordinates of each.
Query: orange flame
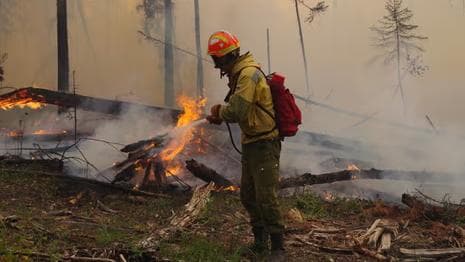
column 192, row 111
column 353, row 167
column 328, row 196
column 173, row 169
column 15, row 133
column 49, row 132
column 10, row 103
column 231, row 188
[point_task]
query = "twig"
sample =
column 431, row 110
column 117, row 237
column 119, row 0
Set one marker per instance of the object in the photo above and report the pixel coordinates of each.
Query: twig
column 179, row 180
column 46, row 256
column 326, row 249
column 105, row 208
column 431, row 123
column 153, row 39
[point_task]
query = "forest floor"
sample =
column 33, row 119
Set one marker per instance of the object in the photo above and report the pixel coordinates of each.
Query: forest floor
column 45, row 218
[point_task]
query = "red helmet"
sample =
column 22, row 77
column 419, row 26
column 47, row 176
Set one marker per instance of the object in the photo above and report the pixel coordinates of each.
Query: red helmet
column 222, row 43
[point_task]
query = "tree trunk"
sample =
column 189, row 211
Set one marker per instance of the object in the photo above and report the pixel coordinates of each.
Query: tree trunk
column 302, row 45
column 169, row 54
column 62, row 45
column 199, row 50
column 399, row 80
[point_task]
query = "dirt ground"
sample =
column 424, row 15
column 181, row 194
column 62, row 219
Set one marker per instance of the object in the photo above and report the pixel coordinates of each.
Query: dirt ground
column 44, row 218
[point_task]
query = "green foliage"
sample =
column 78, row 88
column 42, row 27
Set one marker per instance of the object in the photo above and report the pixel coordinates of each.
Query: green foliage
column 311, row 205
column 196, row 248
column 345, row 206
column 106, row 236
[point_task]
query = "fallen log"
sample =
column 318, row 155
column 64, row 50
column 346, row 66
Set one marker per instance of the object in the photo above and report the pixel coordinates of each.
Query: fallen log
column 207, row 174
column 140, row 145
column 432, row 253
column 433, row 212
column 310, row 179
column 86, row 103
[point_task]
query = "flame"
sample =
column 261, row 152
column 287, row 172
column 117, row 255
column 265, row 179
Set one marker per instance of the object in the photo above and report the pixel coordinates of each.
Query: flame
column 173, row 169
column 15, row 133
column 328, row 196
column 49, row 132
column 231, row 188
column 353, row 167
column 192, row 111
column 10, row 103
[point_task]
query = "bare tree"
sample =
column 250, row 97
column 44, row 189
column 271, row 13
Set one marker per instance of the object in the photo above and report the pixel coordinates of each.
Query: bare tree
column 315, row 10
column 7, row 16
column 3, row 59
column 152, row 11
column 396, row 36
column 319, row 8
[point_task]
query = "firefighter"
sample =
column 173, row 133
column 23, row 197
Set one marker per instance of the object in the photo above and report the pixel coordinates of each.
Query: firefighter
column 249, row 103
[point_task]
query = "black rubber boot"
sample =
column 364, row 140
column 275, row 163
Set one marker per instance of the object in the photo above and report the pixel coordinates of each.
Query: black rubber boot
column 278, row 253
column 260, row 243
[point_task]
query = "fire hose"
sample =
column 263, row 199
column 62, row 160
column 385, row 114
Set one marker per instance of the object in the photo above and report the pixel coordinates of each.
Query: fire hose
column 232, row 139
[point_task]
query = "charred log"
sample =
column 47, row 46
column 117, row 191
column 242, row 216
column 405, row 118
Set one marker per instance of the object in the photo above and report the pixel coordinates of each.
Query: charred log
column 310, row 179
column 207, row 174
column 87, row 103
column 140, row 145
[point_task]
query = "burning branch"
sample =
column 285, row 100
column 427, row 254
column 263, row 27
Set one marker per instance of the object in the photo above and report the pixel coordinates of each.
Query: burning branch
column 41, row 97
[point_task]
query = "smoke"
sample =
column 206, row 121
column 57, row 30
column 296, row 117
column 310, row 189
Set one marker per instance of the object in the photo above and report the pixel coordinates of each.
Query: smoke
column 131, row 126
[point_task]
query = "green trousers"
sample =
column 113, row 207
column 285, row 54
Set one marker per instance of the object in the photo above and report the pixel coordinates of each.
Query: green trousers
column 259, row 184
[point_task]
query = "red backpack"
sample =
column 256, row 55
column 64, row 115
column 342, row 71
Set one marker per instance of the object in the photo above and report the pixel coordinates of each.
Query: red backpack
column 287, row 114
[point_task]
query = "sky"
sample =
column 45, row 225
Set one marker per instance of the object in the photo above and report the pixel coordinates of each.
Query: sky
column 112, row 60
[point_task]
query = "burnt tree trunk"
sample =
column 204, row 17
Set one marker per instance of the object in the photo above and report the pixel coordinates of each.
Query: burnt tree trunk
column 62, row 45
column 309, row 179
column 169, row 54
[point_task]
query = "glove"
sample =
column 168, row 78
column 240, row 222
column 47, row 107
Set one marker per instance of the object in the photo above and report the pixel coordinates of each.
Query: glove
column 215, row 111
column 214, row 120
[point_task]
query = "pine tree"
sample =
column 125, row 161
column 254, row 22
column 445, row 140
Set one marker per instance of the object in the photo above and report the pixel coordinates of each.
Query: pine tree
column 396, row 36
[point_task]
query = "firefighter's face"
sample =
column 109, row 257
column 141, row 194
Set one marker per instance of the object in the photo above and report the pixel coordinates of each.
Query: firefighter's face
column 221, row 62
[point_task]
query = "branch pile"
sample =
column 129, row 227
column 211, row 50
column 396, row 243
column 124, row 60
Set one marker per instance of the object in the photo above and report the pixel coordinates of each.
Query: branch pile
column 439, row 211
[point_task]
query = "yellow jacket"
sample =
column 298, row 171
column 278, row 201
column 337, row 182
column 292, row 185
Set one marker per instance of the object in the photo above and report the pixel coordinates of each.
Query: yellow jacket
column 249, row 91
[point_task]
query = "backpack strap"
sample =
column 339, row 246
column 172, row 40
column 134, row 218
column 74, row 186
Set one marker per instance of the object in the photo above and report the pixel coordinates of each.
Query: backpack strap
column 232, row 89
